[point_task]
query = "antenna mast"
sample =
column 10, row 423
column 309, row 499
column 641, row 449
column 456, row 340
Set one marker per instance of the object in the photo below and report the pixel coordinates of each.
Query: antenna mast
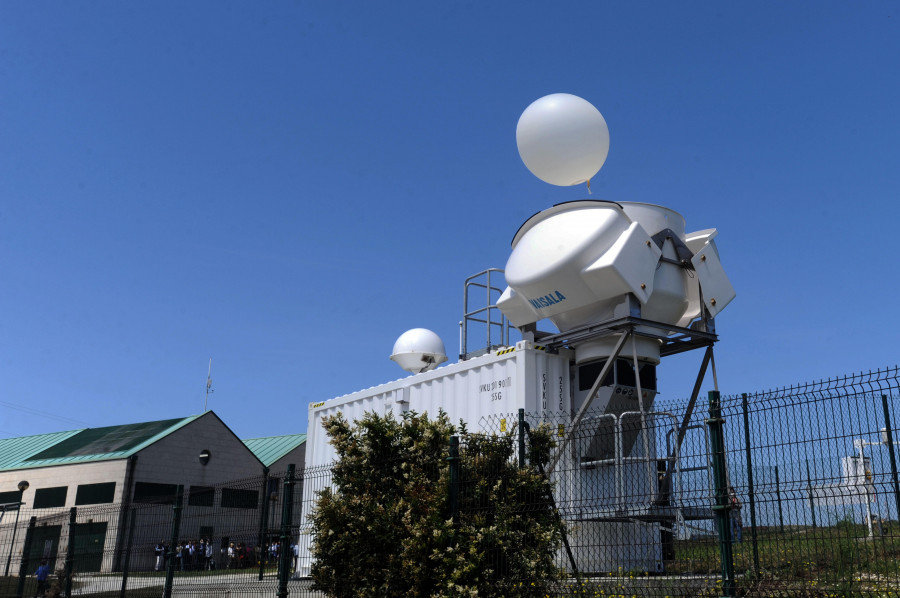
column 208, row 385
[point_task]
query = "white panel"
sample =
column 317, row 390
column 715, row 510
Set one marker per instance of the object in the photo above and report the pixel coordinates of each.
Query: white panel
column 629, row 266
column 692, row 293
column 717, row 289
column 696, row 240
column 516, row 309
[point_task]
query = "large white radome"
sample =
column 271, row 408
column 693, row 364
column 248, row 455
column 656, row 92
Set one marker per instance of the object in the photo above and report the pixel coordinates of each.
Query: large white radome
column 562, row 139
column 577, row 263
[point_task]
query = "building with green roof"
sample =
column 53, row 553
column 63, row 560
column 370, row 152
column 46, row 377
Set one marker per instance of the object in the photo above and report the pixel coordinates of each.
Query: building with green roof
column 277, row 452
column 132, row 464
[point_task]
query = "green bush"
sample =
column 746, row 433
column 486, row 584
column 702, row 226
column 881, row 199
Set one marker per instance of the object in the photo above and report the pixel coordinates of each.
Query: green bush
column 385, row 529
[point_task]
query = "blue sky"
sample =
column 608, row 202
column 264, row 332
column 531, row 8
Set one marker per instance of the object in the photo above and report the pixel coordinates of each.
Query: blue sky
column 286, row 187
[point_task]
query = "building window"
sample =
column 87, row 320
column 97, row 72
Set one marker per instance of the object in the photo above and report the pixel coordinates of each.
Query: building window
column 237, row 498
column 201, row 496
column 160, row 494
column 8, row 497
column 95, row 494
column 46, row 498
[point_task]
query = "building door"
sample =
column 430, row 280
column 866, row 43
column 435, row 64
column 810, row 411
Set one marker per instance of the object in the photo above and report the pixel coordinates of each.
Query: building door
column 90, row 539
column 44, row 545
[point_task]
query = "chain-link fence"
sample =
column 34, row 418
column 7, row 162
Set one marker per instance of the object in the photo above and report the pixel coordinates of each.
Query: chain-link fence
column 781, row 493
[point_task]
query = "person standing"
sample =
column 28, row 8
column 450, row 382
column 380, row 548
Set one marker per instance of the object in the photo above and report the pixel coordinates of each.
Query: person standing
column 191, row 549
column 210, row 561
column 160, row 552
column 737, row 523
column 42, row 574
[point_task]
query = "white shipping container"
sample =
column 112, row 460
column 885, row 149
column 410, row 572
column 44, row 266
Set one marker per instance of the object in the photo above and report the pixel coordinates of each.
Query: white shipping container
column 493, row 386
column 483, row 391
column 497, row 384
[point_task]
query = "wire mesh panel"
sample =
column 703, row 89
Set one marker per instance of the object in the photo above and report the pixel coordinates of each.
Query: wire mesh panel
column 626, row 502
column 634, row 506
column 812, row 468
column 231, row 539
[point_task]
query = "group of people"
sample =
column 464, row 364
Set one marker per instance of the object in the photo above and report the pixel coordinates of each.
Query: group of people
column 200, row 555
column 192, row 555
column 240, row 555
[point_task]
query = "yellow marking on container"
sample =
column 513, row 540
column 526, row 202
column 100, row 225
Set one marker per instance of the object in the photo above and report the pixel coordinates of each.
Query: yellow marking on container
column 560, row 430
column 505, row 351
column 314, row 405
column 503, row 425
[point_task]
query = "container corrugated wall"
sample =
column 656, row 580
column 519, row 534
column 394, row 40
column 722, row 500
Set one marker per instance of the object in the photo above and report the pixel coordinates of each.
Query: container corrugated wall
column 499, row 383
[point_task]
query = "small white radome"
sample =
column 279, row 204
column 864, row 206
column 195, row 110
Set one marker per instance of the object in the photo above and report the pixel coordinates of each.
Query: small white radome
column 419, row 350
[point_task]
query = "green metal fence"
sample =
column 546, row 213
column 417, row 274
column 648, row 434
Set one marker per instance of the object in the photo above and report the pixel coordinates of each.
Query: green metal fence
column 647, row 501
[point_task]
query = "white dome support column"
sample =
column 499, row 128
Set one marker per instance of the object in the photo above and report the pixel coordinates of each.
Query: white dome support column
column 595, row 388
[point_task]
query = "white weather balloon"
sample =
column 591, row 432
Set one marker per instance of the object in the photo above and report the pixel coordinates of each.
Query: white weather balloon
column 562, row 139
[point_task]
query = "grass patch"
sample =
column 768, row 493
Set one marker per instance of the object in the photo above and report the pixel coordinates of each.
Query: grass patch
column 838, row 560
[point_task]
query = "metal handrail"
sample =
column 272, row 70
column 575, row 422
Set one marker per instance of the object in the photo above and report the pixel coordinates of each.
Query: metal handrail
column 487, row 312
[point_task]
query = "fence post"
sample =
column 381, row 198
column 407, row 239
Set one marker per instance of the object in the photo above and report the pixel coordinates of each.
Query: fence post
column 778, row 499
column 521, row 438
column 26, row 550
column 751, row 496
column 128, row 547
column 176, row 528
column 263, row 519
column 453, row 460
column 287, row 504
column 891, row 453
column 812, row 503
column 70, row 550
column 721, row 506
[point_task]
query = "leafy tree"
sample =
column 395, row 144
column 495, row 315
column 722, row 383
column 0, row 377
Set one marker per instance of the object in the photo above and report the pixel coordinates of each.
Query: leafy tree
column 385, row 528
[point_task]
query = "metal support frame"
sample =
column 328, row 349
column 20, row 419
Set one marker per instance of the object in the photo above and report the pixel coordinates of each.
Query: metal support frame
column 751, row 492
column 587, row 402
column 674, row 339
column 287, row 533
column 721, row 506
column 173, row 542
column 619, row 459
column 263, row 539
column 26, row 552
column 132, row 518
column 453, row 463
column 12, row 543
column 891, row 454
column 483, row 315
column 562, row 526
column 686, row 420
column 70, row 551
